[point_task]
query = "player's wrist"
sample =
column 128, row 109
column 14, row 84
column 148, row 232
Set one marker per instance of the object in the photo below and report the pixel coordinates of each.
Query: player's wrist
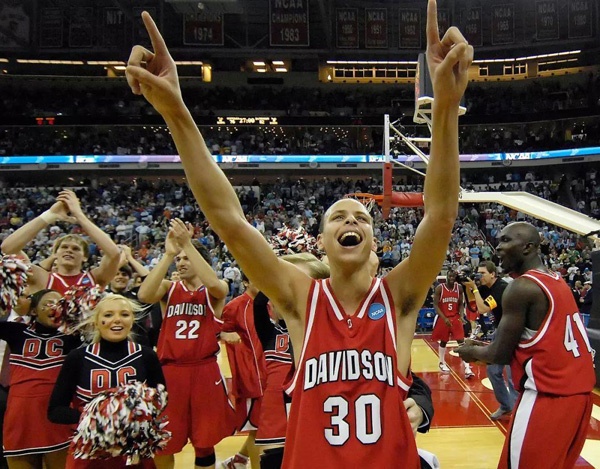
column 49, row 217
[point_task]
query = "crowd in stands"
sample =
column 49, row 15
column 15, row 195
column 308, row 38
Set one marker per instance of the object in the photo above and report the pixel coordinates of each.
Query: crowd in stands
column 267, row 140
column 112, row 98
column 137, row 213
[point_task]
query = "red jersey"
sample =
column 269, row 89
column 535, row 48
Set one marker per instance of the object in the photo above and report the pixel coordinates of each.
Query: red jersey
column 246, row 360
column 189, row 330
column 61, row 283
column 557, row 358
column 347, row 394
column 450, row 300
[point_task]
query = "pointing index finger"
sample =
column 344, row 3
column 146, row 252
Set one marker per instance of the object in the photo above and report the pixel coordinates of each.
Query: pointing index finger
column 433, row 33
column 158, row 43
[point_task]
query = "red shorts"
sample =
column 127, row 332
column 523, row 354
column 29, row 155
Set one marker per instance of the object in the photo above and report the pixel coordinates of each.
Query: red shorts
column 443, row 333
column 112, row 463
column 546, row 431
column 471, row 311
column 247, row 412
column 273, row 412
column 27, row 430
column 198, row 406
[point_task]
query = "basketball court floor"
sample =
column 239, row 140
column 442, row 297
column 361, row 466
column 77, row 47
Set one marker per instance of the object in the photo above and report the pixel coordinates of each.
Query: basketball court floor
column 462, row 435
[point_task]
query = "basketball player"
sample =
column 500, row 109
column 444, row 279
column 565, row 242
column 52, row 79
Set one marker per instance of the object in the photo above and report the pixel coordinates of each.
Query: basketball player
column 37, row 352
column 448, row 301
column 198, row 406
column 71, row 251
column 248, row 371
column 542, row 336
column 353, row 356
column 110, row 361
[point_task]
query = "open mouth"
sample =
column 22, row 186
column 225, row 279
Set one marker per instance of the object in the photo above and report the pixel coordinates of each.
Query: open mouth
column 349, row 239
column 116, row 328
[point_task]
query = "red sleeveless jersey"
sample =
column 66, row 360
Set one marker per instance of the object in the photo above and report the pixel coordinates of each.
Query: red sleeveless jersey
column 189, row 329
column 246, row 360
column 61, row 283
column 557, row 359
column 347, row 395
column 450, row 300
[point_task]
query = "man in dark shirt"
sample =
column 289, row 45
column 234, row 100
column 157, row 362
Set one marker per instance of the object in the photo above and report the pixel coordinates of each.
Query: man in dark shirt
column 489, row 300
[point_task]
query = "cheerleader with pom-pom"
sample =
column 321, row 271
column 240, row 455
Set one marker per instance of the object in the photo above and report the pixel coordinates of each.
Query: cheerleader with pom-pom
column 111, row 360
column 37, row 352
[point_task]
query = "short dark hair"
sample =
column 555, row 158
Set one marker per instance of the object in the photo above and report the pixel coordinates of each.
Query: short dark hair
column 202, row 250
column 126, row 269
column 37, row 297
column 489, row 266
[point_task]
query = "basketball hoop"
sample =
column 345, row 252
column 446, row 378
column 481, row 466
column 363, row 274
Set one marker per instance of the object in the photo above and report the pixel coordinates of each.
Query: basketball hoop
column 368, row 200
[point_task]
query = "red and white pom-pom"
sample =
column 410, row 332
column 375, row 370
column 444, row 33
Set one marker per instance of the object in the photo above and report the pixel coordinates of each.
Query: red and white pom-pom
column 289, row 241
column 125, row 421
column 13, row 280
column 76, row 305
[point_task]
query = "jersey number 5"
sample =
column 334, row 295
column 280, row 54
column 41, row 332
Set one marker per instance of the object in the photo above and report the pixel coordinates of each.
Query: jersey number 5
column 187, row 330
column 570, row 341
column 367, row 409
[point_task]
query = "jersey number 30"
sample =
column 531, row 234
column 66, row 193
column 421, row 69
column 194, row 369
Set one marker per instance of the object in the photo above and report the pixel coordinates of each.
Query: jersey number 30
column 367, row 409
column 570, row 341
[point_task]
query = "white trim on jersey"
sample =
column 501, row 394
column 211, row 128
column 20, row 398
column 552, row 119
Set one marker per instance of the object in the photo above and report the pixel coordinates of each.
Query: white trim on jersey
column 376, row 286
column 519, row 426
column 336, row 310
column 389, row 316
column 542, row 330
column 170, row 292
column 311, row 320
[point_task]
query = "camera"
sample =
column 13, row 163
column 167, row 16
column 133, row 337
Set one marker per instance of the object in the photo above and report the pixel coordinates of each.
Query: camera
column 462, row 278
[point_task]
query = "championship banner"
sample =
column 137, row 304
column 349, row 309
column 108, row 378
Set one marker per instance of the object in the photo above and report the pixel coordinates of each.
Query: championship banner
column 443, row 21
column 139, row 33
column 409, row 20
column 112, row 27
column 203, row 29
column 15, row 24
column 546, row 20
column 376, row 28
column 346, row 28
column 471, row 21
column 503, row 24
column 288, row 23
column 580, row 18
column 51, row 28
column 81, row 27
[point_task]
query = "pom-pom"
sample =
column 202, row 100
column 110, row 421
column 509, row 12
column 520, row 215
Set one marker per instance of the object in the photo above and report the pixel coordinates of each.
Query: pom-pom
column 290, row 241
column 125, row 421
column 76, row 305
column 13, row 280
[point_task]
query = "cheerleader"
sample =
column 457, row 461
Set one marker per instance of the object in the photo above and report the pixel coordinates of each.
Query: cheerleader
column 111, row 360
column 37, row 353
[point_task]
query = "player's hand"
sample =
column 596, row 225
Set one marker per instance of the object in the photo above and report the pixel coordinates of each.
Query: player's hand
column 448, row 60
column 415, row 414
column 172, row 245
column 468, row 352
column 70, row 200
column 154, row 74
column 447, row 322
column 231, row 338
column 181, row 232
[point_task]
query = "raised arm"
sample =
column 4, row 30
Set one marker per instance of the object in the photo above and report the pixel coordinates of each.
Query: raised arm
column 134, row 263
column 448, row 61
column 109, row 265
column 154, row 75
column 216, row 287
column 154, row 287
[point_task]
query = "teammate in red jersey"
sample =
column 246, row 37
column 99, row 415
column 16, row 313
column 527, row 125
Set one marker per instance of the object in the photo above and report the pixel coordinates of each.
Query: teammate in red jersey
column 70, row 251
column 248, row 370
column 111, row 360
column 449, row 305
column 362, row 352
column 37, row 352
column 542, row 336
column 198, row 406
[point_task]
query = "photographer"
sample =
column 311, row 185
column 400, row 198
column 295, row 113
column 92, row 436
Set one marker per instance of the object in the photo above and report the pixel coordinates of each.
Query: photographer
column 489, row 299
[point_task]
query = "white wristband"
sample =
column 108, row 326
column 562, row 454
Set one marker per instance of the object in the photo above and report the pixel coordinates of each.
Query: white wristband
column 49, row 217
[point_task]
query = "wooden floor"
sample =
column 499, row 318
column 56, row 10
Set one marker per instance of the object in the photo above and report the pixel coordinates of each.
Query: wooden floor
column 462, row 435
